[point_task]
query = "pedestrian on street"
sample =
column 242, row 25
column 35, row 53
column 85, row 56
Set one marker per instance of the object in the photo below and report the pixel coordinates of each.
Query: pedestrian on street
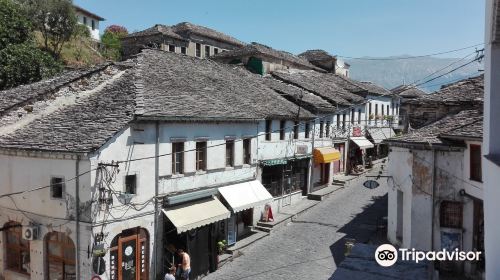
column 170, row 274
column 185, row 265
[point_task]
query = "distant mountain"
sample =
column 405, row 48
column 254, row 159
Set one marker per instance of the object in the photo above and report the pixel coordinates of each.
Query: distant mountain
column 392, row 73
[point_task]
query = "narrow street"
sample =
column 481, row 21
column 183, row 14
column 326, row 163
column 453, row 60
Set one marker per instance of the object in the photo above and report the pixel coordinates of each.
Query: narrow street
column 313, row 245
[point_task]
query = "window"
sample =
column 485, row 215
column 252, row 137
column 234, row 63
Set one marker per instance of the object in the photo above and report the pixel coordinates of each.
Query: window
column 382, row 108
column 338, row 121
column 247, row 152
column 171, row 48
column 268, row 129
column 451, row 214
column 321, row 127
column 85, row 20
column 18, row 248
column 307, row 130
column 93, row 24
column 376, row 112
column 343, row 121
column 388, row 110
column 369, row 109
column 177, row 158
column 327, row 129
column 216, row 50
column 201, row 155
column 207, row 51
column 359, row 116
column 296, row 130
column 61, row 256
column 352, row 116
column 282, row 130
column 183, row 50
column 131, row 184
column 229, row 153
column 57, row 187
column 475, row 163
column 198, row 50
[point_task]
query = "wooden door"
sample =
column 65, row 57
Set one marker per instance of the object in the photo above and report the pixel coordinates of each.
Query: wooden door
column 128, row 258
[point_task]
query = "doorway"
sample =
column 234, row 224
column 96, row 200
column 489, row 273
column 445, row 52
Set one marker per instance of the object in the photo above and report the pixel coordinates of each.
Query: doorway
column 129, row 255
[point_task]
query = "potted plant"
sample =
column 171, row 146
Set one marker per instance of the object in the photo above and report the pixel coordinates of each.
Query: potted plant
column 221, row 246
column 371, row 117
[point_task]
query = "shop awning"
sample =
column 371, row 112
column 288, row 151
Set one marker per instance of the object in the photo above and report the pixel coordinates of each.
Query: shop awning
column 362, row 142
column 379, row 134
column 196, row 214
column 326, row 155
column 245, row 195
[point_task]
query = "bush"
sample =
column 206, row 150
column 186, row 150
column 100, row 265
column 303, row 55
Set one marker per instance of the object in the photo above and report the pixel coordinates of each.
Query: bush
column 23, row 64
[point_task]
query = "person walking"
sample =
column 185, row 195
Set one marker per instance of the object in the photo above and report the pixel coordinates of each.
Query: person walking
column 170, row 274
column 185, row 265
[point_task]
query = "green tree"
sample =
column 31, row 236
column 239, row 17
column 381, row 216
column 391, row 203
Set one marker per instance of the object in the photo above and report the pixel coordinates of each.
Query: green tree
column 111, row 41
column 55, row 19
column 23, row 64
column 20, row 60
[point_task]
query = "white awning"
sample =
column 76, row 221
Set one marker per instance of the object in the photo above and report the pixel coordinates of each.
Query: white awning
column 379, row 134
column 245, row 195
column 362, row 142
column 196, row 214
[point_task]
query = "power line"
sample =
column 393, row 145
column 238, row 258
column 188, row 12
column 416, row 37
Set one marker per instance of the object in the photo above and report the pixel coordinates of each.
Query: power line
column 410, row 57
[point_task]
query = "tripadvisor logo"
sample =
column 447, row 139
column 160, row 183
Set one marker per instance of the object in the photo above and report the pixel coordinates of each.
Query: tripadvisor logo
column 387, row 255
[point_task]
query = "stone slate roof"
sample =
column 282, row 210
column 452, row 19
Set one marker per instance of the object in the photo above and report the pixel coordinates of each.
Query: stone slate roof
column 322, row 84
column 359, row 88
column 158, row 85
column 463, row 122
column 407, row 91
column 473, row 130
column 157, row 29
column 254, row 49
column 181, row 87
column 184, row 28
column 39, row 90
column 316, row 55
column 82, row 127
column 299, row 96
column 462, row 92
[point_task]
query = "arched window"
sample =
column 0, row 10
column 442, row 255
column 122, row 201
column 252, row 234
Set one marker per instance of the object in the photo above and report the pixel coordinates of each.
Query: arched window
column 18, row 248
column 61, row 256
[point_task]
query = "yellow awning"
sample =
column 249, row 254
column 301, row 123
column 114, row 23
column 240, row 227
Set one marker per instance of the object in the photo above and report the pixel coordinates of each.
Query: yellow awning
column 326, row 155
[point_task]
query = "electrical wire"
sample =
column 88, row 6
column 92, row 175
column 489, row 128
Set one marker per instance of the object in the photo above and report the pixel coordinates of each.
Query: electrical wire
column 411, row 57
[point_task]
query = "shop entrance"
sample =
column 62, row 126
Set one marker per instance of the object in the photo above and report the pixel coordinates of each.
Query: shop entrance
column 129, row 255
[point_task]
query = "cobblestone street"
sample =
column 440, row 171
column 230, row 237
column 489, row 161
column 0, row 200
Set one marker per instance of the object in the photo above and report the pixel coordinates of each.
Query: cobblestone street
column 313, row 245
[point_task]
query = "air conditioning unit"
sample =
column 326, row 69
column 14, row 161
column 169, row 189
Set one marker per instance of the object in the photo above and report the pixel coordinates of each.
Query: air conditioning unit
column 30, row 232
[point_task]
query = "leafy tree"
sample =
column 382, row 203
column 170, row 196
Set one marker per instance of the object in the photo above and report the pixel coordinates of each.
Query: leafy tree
column 55, row 19
column 111, row 41
column 15, row 28
column 23, row 64
column 21, row 61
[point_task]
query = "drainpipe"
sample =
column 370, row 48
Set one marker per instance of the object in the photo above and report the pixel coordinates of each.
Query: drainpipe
column 157, row 152
column 433, row 196
column 311, row 179
column 77, row 218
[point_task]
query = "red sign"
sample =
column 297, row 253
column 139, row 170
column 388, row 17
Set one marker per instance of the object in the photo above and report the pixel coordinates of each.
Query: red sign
column 356, row 132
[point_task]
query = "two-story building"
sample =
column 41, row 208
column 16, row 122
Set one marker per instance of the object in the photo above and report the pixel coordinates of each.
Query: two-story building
column 436, row 190
column 106, row 172
column 184, row 38
column 326, row 61
column 89, row 19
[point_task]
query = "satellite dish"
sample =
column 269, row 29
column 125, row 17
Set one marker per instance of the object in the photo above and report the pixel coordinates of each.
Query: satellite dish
column 371, row 184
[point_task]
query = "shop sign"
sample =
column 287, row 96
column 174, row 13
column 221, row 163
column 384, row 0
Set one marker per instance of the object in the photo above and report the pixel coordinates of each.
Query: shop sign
column 301, row 149
column 356, row 132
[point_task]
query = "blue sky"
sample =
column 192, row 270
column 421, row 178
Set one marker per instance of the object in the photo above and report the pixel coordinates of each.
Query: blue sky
column 343, row 27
